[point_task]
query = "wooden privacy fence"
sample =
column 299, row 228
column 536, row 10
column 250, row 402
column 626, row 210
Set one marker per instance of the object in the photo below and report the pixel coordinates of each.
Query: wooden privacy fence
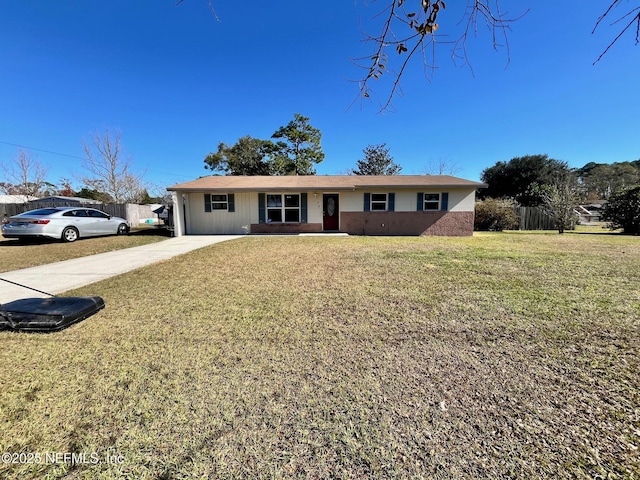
column 534, row 218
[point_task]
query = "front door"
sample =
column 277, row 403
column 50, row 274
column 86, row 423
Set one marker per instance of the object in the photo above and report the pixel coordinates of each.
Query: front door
column 330, row 212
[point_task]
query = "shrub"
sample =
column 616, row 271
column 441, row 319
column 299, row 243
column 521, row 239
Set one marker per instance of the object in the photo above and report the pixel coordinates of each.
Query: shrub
column 623, row 211
column 495, row 214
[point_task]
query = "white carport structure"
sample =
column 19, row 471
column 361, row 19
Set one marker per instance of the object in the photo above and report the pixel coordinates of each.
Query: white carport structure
column 178, row 213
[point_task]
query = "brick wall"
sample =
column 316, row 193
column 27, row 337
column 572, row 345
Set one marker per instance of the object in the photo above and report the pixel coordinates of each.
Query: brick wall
column 407, row 223
column 286, row 227
column 452, row 224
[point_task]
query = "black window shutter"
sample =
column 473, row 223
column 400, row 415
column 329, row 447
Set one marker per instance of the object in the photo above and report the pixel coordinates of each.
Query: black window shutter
column 367, row 202
column 207, row 202
column 444, row 201
column 231, row 205
column 420, row 201
column 392, row 202
column 261, row 208
column 303, row 209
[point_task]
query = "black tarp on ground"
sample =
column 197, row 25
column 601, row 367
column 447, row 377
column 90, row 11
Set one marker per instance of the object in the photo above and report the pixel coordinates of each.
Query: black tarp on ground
column 47, row 314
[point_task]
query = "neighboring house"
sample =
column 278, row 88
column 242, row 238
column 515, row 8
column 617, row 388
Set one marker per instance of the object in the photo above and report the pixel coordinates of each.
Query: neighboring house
column 66, row 201
column 590, row 213
column 354, row 204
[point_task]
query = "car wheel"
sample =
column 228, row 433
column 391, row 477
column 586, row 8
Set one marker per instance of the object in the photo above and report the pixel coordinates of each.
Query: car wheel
column 123, row 229
column 70, row 234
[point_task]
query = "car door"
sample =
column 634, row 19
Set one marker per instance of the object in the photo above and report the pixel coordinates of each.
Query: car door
column 101, row 223
column 78, row 219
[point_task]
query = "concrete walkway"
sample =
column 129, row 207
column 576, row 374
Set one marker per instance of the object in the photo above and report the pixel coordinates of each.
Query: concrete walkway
column 62, row 276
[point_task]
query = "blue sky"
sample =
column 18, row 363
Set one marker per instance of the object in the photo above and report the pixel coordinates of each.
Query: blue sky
column 175, row 82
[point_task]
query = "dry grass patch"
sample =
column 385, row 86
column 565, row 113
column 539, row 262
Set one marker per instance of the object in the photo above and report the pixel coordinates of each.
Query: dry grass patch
column 497, row 356
column 15, row 255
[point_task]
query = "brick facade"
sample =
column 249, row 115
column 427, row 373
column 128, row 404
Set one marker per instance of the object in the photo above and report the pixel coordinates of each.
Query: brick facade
column 407, row 223
column 454, row 224
column 286, row 227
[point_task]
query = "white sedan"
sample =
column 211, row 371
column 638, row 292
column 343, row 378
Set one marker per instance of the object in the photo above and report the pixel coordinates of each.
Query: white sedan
column 64, row 223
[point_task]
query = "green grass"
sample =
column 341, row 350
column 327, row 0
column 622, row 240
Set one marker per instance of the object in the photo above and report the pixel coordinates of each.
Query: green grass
column 496, row 356
column 15, row 255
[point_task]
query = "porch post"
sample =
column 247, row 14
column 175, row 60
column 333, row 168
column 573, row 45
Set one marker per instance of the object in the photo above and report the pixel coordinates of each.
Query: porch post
column 178, row 214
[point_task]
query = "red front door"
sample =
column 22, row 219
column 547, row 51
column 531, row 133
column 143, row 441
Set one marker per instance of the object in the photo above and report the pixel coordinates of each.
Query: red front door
column 330, row 212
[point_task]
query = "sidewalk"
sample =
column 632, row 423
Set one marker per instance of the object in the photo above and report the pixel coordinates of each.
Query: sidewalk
column 60, row 277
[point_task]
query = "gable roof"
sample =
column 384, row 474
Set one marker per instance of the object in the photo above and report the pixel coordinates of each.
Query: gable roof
column 321, row 182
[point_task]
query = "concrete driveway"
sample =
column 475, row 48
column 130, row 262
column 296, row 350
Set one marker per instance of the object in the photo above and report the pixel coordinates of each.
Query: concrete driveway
column 60, row 277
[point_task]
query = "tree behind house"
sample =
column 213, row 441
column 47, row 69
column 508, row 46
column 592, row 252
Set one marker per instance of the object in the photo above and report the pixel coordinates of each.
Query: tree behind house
column 299, row 148
column 603, row 180
column 514, row 179
column 93, row 194
column 377, row 161
column 249, row 156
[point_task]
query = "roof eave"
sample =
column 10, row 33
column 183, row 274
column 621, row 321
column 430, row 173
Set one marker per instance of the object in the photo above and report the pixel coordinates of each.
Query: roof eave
column 259, row 189
column 326, row 188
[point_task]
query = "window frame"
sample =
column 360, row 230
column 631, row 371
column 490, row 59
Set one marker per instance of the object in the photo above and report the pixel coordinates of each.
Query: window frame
column 425, row 201
column 378, row 202
column 214, row 202
column 283, row 208
column 221, row 204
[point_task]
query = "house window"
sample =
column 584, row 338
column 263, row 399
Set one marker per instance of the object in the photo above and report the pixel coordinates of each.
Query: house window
column 219, row 202
column 431, row 201
column 283, row 208
column 379, row 202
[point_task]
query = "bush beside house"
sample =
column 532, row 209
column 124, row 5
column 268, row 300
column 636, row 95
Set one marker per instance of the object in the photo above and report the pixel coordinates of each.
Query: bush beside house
column 495, row 214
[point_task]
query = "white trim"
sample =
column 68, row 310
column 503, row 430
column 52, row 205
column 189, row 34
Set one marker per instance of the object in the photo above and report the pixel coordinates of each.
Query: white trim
column 425, row 201
column 224, row 202
column 372, row 201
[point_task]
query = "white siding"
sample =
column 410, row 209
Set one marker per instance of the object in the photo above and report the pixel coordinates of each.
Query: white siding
column 462, row 200
column 216, row 222
column 352, row 201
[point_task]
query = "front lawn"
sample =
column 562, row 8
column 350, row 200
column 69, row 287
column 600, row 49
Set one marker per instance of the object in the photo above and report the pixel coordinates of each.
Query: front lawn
column 15, row 255
column 496, row 356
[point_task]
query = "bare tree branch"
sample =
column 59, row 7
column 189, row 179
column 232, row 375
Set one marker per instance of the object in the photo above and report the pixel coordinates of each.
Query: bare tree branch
column 210, row 7
column 410, row 25
column 109, row 170
column 495, row 21
column 442, row 166
column 634, row 13
column 26, row 176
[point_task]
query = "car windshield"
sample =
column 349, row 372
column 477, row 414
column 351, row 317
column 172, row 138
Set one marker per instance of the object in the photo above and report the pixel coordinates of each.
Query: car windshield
column 39, row 212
